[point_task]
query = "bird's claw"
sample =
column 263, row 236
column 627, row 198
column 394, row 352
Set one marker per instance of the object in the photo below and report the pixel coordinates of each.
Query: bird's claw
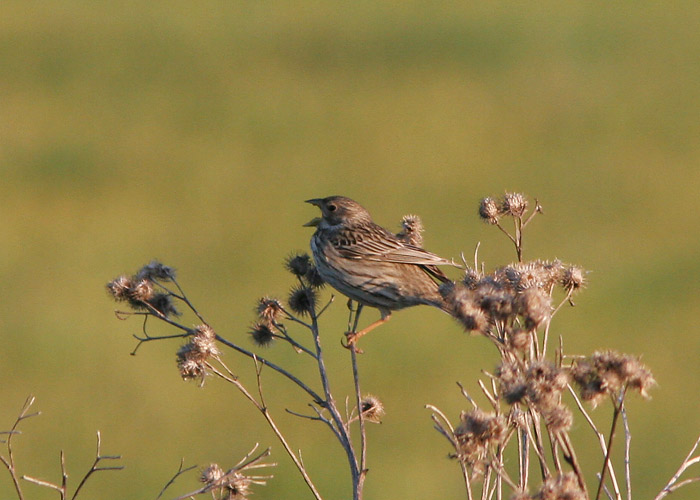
column 351, row 338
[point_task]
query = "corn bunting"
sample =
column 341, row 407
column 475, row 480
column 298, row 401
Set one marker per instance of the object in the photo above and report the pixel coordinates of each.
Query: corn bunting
column 371, row 265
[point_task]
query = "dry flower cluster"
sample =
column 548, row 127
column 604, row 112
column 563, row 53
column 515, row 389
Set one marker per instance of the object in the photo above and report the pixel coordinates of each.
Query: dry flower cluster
column 518, row 447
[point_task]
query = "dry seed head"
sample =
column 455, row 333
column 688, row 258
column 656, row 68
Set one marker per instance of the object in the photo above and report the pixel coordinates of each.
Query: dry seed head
column 478, row 432
column 163, row 303
column 562, row 487
column 489, row 210
column 269, row 309
column 464, row 307
column 372, row 408
column 141, row 291
column 156, row 270
column 518, row 339
column 302, row 299
column 119, row 287
column 471, row 278
column 238, row 486
column 496, row 301
column 262, row 334
column 204, row 342
column 314, row 278
column 520, row 495
column 512, row 382
column 573, row 278
column 535, row 306
column 558, row 418
column 211, row 474
column 545, row 384
column 514, row 204
column 298, row 264
column 412, row 230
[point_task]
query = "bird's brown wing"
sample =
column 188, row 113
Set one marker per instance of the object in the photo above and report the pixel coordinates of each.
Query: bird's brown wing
column 377, row 244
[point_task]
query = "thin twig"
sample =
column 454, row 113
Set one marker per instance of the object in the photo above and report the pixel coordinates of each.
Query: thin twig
column 179, row 472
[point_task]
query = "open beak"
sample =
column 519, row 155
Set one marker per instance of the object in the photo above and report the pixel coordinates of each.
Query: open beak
column 316, row 220
column 313, row 222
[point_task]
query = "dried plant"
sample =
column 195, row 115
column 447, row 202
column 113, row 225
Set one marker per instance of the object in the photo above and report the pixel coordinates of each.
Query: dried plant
column 513, row 308
column 534, row 393
column 62, row 488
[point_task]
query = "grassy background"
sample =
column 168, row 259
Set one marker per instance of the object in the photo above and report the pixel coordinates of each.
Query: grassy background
column 192, row 132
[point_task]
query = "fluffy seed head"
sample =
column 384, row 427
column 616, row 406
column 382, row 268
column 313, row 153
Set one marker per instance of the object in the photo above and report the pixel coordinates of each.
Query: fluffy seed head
column 119, row 287
column 141, row 291
column 545, row 384
column 535, row 306
column 204, row 342
column 464, row 307
column 156, row 270
column 558, row 418
column 372, row 408
column 562, row 487
column 477, row 433
column 573, row 278
column 512, row 382
column 163, row 303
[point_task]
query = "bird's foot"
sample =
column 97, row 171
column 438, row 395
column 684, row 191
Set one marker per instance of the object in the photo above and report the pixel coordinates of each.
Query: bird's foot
column 350, row 340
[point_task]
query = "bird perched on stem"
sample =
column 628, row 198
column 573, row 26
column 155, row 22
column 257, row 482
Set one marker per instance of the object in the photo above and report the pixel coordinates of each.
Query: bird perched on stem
column 371, row 265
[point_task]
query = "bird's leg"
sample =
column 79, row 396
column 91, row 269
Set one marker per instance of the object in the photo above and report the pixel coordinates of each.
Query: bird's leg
column 353, row 337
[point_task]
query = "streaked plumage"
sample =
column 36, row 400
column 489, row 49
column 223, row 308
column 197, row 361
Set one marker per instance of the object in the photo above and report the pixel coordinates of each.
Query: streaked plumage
column 371, row 265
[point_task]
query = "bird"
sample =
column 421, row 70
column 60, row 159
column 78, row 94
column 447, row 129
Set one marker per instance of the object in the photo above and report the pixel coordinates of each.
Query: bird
column 371, row 265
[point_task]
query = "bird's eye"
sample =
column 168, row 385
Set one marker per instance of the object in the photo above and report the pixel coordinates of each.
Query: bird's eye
column 331, row 208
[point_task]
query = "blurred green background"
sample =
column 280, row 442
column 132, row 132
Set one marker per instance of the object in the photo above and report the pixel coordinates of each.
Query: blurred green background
column 193, row 131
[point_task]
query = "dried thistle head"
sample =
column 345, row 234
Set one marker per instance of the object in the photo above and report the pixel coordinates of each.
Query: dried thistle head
column 141, row 290
column 607, row 372
column 478, row 433
column 313, row 277
column 302, row 299
column 156, row 270
column 535, row 306
column 489, row 210
column 545, row 383
column 511, row 381
column 514, row 204
column 204, row 342
column 262, row 334
column 471, row 278
column 411, row 230
column 464, row 307
column 269, row 309
column 372, row 408
column 561, row 487
column 558, row 418
column 573, row 278
column 120, row 288
column 211, row 474
column 518, row 339
column 164, row 304
column 298, row 264
column 495, row 300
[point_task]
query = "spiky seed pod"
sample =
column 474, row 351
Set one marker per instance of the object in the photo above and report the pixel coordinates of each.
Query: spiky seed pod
column 298, row 264
column 573, row 278
column 269, row 309
column 164, row 304
column 514, row 204
column 412, row 230
column 535, row 306
column 302, row 299
column 489, row 210
column 262, row 334
column 314, row 278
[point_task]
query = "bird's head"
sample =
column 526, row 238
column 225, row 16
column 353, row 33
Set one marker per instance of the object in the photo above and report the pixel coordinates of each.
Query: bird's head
column 338, row 210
